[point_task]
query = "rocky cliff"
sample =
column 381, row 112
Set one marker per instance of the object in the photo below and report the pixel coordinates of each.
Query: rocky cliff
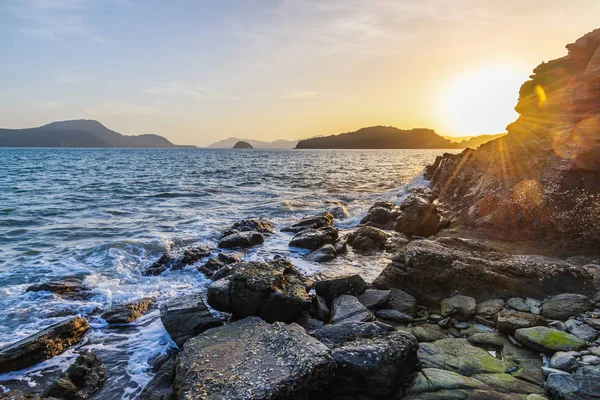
column 542, row 180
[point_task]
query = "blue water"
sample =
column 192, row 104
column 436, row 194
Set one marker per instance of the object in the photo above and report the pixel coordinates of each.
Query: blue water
column 106, row 214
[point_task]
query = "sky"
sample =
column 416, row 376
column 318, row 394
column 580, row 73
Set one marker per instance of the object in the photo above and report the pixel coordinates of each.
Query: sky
column 199, row 71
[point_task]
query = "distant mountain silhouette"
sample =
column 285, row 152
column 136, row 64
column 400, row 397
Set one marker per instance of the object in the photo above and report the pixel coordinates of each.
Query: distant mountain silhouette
column 476, row 141
column 257, row 144
column 77, row 133
column 243, row 145
column 388, row 137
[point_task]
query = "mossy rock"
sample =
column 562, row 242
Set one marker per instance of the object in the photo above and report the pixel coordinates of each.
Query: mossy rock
column 548, row 340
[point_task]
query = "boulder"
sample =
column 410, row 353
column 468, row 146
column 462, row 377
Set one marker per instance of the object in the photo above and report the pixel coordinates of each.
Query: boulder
column 329, row 289
column 402, row 301
column 80, row 381
column 169, row 260
column 185, row 317
column 285, row 363
column 581, row 330
column 368, row 239
column 322, row 254
column 241, row 239
column 393, row 315
column 215, row 267
column 312, row 239
column 307, row 322
column 382, row 215
column 43, row 345
column 336, row 335
column 427, row 332
column 161, row 385
column 417, row 217
column 564, row 360
column 462, row 308
column 70, row 287
column 509, row 321
column 377, row 366
column 573, row 387
column 311, row 222
column 165, row 262
column 318, row 309
column 566, row 305
column 457, row 355
column 347, row 308
column 518, row 304
column 262, row 225
column 548, row 340
column 338, row 211
column 374, row 299
column 432, row 271
column 489, row 308
column 128, row 312
column 274, row 291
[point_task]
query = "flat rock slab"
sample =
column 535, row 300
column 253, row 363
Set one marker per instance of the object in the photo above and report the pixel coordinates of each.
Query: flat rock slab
column 70, row 287
column 251, row 359
column 43, row 345
column 335, row 335
column 347, row 308
column 185, row 317
column 548, row 340
column 373, row 298
column 509, row 321
column 459, row 356
column 128, row 312
column 573, row 387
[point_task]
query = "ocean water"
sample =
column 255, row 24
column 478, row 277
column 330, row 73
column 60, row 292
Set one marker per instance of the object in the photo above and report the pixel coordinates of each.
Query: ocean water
column 106, row 214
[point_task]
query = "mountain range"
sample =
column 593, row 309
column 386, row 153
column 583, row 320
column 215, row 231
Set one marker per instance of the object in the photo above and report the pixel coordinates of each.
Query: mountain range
column 78, row 133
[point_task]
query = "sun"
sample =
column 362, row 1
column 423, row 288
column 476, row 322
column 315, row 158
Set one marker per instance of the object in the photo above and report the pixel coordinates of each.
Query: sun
column 480, row 100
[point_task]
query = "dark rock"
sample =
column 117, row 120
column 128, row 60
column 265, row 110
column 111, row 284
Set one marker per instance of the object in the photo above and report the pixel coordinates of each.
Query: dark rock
column 336, row 335
column 318, row 309
column 564, row 360
column 518, row 304
column 460, row 307
column 347, row 308
column 161, row 385
column 229, row 258
column 492, row 340
column 185, row 317
column 382, row 215
column 417, row 217
column 128, row 312
column 191, row 256
column 16, row 394
column 402, row 301
column 573, row 387
column 211, row 266
column 165, row 262
column 274, row 291
column 427, row 332
column 312, row 239
column 43, row 345
column 322, row 254
column 341, row 245
column 311, row 222
column 241, row 239
column 331, row 288
column 432, row 271
column 218, row 263
column 242, row 145
column 489, row 308
column 368, row 239
column 581, row 330
column 307, row 322
column 374, row 299
column 509, row 321
column 338, row 211
column 548, row 340
column 393, row 315
column 566, row 305
column 285, row 363
column 263, row 225
column 80, row 381
column 68, row 287
column 377, row 366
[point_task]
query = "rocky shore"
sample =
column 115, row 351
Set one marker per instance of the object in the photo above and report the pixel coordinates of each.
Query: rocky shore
column 455, row 315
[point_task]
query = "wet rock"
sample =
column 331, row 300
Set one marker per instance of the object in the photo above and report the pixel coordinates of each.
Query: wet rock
column 71, row 287
column 43, row 345
column 338, row 211
column 16, row 394
column 80, row 381
column 417, row 217
column 128, row 312
column 347, row 308
column 581, row 330
column 322, row 254
column 393, row 315
column 564, row 360
column 375, row 366
column 368, row 239
column 573, row 387
column 307, row 322
column 335, row 335
column 286, row 363
column 593, row 322
column 374, row 299
column 427, row 332
column 489, row 308
column 311, row 222
column 185, row 317
column 341, row 245
column 211, row 266
column 432, row 271
column 161, row 385
column 518, row 304
column 318, row 309
column 548, row 340
column 460, row 307
column 402, row 301
column 509, row 321
column 262, row 225
column 274, row 291
column 165, row 262
column 312, row 239
column 382, row 215
column 329, row 289
column 494, row 340
column 241, row 239
column 566, row 305
column 191, row 256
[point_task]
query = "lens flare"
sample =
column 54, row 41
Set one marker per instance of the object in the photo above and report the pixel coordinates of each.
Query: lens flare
column 528, row 193
column 541, row 95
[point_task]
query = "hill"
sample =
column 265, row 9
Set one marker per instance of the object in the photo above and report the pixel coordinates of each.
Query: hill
column 78, row 133
column 243, row 145
column 257, row 144
column 388, row 137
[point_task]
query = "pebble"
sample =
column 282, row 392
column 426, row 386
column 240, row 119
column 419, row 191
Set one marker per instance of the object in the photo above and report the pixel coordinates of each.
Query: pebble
column 462, row 325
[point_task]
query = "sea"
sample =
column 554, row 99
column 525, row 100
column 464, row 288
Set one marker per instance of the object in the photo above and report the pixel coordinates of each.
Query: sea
column 104, row 215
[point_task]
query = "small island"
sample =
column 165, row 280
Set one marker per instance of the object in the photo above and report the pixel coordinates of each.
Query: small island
column 242, row 145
